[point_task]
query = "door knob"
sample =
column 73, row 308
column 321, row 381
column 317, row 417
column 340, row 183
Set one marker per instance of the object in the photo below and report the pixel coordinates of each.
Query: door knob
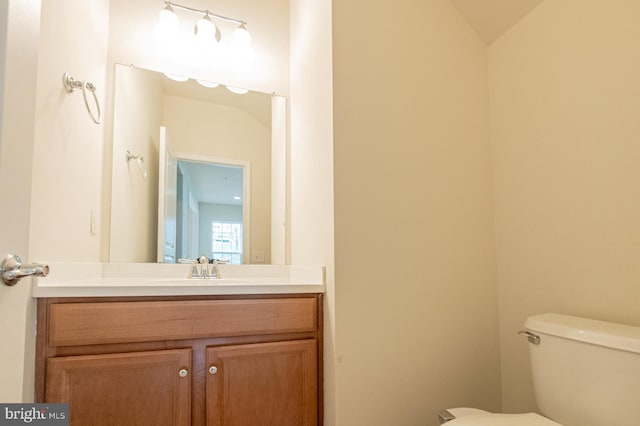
column 213, row 369
column 12, row 269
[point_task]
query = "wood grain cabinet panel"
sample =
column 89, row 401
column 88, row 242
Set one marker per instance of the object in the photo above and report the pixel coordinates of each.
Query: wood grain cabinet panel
column 118, row 361
column 141, row 388
column 100, row 323
column 267, row 384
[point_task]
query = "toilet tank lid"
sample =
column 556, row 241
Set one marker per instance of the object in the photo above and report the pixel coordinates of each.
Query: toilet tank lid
column 608, row 334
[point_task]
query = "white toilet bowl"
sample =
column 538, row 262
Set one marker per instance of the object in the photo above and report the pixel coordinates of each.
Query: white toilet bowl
column 474, row 417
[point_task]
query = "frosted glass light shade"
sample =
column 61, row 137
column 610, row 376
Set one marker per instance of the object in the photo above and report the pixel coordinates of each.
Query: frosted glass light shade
column 205, row 30
column 237, row 90
column 168, row 25
column 209, row 84
column 241, row 37
column 176, row 77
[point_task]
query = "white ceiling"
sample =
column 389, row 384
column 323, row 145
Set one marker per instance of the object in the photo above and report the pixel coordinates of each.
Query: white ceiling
column 492, row 18
column 214, row 183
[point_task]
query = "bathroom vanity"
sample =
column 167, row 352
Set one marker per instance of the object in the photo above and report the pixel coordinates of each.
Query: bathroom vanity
column 205, row 357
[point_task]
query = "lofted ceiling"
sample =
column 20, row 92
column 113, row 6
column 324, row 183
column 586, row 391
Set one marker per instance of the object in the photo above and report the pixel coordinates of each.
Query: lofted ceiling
column 492, row 18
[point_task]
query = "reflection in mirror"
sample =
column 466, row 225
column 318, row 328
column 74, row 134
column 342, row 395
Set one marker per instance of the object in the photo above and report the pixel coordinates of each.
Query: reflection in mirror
column 210, row 214
column 202, row 125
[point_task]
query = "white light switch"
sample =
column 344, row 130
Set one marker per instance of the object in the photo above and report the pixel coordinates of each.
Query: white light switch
column 95, row 221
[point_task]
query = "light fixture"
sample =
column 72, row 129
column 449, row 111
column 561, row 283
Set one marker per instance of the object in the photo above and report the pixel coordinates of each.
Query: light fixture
column 207, row 34
column 237, row 90
column 241, row 36
column 176, row 77
column 168, row 24
column 205, row 30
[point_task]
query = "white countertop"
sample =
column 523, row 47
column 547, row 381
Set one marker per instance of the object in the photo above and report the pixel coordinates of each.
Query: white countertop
column 148, row 279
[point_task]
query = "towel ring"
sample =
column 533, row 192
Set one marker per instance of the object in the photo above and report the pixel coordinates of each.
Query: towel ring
column 72, row 84
column 140, row 160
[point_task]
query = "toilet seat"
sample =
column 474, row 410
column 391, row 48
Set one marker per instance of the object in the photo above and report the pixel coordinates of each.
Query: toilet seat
column 490, row 419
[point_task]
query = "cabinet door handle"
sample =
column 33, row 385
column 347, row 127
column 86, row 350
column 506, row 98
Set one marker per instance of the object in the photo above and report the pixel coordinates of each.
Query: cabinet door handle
column 183, row 372
column 213, row 369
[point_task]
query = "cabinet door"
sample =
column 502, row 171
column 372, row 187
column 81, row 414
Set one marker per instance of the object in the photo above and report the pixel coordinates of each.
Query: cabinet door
column 263, row 384
column 138, row 388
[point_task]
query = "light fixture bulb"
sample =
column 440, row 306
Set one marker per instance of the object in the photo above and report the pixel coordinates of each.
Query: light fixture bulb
column 241, row 36
column 176, row 77
column 205, row 29
column 168, row 24
column 168, row 16
column 237, row 90
column 209, row 84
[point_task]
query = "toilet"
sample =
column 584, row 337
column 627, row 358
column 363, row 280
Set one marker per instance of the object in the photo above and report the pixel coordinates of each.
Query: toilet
column 585, row 373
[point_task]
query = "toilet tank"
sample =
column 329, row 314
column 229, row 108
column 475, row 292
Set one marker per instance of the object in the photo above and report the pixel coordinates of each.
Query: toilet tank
column 586, row 372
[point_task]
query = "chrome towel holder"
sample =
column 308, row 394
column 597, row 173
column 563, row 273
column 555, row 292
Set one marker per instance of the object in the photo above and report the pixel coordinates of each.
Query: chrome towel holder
column 71, row 84
column 140, row 160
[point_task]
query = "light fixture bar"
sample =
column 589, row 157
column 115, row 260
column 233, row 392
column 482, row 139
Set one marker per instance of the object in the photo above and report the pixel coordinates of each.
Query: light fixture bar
column 205, row 12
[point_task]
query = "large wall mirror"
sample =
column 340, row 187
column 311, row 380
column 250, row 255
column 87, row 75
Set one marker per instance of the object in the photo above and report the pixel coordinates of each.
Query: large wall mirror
column 197, row 170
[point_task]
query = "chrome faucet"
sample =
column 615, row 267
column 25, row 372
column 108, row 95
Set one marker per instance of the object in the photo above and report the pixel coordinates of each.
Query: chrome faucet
column 204, row 261
column 203, row 271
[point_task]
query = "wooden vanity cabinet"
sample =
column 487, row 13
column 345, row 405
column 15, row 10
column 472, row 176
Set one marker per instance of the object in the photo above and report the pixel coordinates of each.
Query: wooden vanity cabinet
column 124, row 388
column 214, row 360
column 262, row 381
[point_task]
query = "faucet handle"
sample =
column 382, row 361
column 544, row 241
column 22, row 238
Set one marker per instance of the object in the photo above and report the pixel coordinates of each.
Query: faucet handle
column 194, row 270
column 215, row 271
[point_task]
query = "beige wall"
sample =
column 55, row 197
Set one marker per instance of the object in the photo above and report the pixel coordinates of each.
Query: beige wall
column 67, row 157
column 311, row 239
column 138, row 114
column 416, row 297
column 565, row 104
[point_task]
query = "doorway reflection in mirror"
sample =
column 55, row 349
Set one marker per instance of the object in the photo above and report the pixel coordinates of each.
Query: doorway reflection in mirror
column 209, row 211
